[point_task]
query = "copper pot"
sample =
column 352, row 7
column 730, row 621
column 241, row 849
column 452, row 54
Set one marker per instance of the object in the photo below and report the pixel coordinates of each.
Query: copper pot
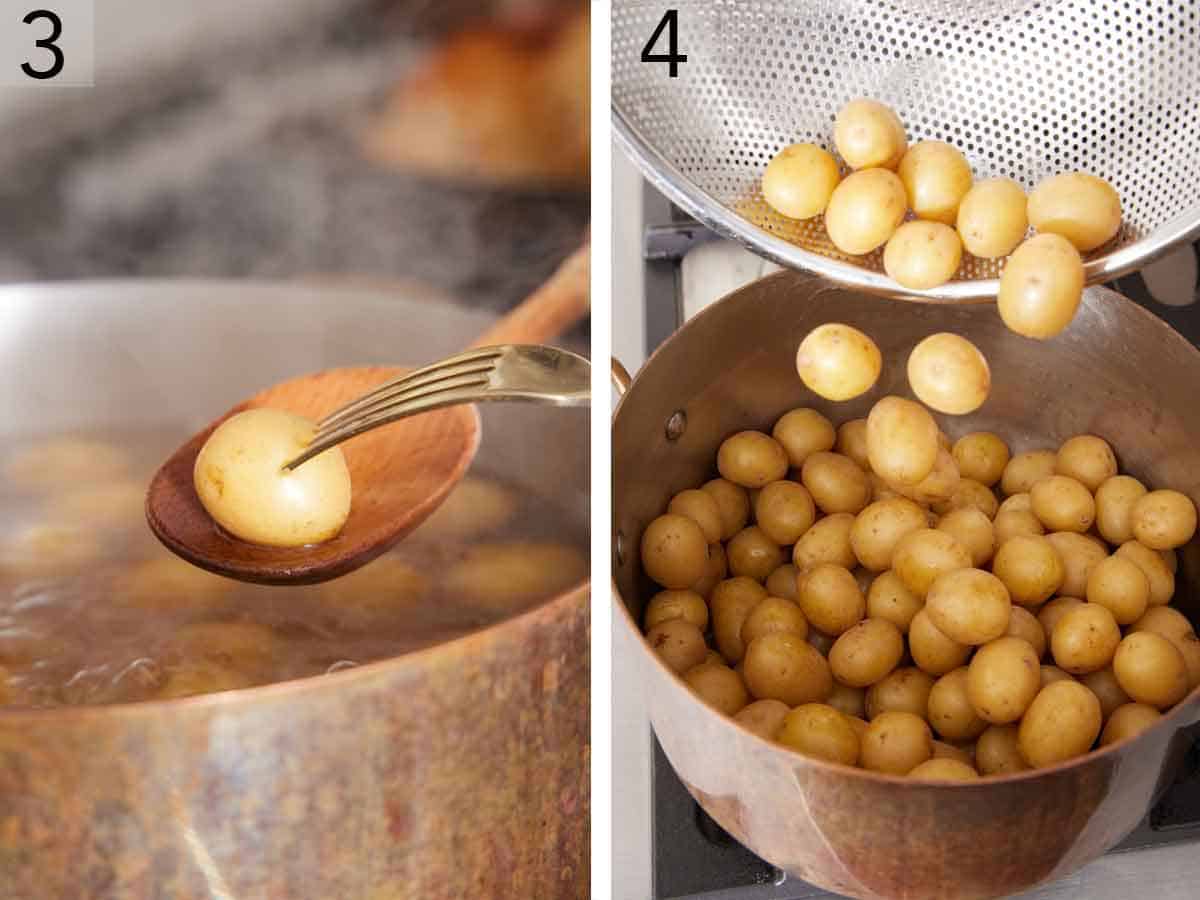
column 1118, row 372
column 457, row 771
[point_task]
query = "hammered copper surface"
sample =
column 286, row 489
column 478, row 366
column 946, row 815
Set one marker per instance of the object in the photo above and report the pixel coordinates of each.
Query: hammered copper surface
column 1118, row 372
column 458, row 771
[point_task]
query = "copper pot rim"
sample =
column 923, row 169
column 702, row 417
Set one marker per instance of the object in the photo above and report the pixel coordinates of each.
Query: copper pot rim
column 1174, row 719
column 475, row 643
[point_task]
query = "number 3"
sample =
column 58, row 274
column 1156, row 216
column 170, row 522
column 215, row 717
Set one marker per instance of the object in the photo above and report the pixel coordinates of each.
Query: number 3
column 46, row 43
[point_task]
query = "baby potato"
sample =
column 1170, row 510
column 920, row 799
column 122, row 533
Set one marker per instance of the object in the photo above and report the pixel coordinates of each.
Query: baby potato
column 1026, row 469
column 945, row 750
column 492, row 577
column 902, row 440
column 850, row 701
column 969, row 494
column 1011, row 523
column 864, row 211
column 718, row 686
column 922, row 556
column 1062, row 722
column 889, row 598
column 477, row 506
column 678, row 643
column 799, row 180
column 997, row 753
column 922, row 255
column 1041, row 287
column 50, row 549
column 802, row 432
column 836, row 483
column 1050, row 614
column 944, row 770
column 932, row 650
column 868, row 133
column 902, row 690
column 1079, row 554
column 167, row 583
column 730, row 605
column 763, row 717
column 701, row 508
column 820, row 731
column 1082, row 208
column 1118, row 584
column 784, row 666
column 991, row 218
column 674, row 551
column 828, row 541
column 773, row 614
column 240, row 480
column 1158, row 574
column 969, row 606
column 1024, row 625
column 1163, row 520
column 895, row 743
column 733, row 502
column 716, row 571
column 981, row 456
column 838, row 362
column 1115, row 498
column 751, row 552
column 194, row 677
column 751, row 459
column 1003, row 678
column 1063, row 504
column 1127, row 721
column 1175, row 627
column 880, row 527
column 866, row 653
column 852, row 442
column 1051, row 674
column 936, row 177
column 1103, row 683
column 938, row 487
column 1030, row 568
column 951, row 713
column 783, row 582
column 1088, row 459
column 948, row 373
column 114, row 505
column 67, row 461
column 1150, row 669
column 667, row 605
column 1085, row 639
column 831, row 599
column 242, row 645
column 973, row 530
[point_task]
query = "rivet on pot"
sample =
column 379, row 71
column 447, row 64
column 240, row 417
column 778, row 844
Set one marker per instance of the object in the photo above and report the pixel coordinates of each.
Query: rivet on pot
column 676, row 425
column 619, row 544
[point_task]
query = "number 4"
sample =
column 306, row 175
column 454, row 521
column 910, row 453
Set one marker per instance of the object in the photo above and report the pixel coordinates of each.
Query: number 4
column 670, row 22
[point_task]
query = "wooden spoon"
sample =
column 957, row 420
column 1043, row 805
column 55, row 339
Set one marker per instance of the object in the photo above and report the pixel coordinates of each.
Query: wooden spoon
column 400, row 473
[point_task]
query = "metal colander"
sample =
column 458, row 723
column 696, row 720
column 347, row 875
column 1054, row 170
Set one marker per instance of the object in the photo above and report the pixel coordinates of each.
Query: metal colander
column 1024, row 88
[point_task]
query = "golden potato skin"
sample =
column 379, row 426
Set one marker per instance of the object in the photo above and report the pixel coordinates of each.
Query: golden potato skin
column 1062, row 722
column 773, row 614
column 1163, row 519
column 922, row 255
column 973, row 529
column 1156, row 570
column 803, row 431
column 1085, row 639
column 828, row 541
column 1024, row 625
column 751, row 552
column 868, row 133
column 820, row 731
column 701, row 507
column 1063, row 504
column 948, row 373
column 865, row 210
column 667, row 605
column 718, row 686
column 992, row 218
column 799, row 180
column 895, row 743
column 951, row 712
column 751, row 459
column 674, row 551
column 902, row 440
column 981, row 456
column 936, row 178
column 733, row 502
column 880, row 527
column 784, row 666
column 678, row 643
column 848, row 700
column 852, row 442
column 1082, row 208
column 865, row 653
column 836, row 483
column 783, row 582
column 1103, row 683
column 1128, row 721
column 730, row 605
column 1120, row 585
column 1079, row 554
column 944, row 769
column 1052, row 612
column 1030, row 568
column 838, row 362
column 996, row 751
column 1003, row 678
column 1115, row 498
column 831, row 599
column 932, row 650
column 763, row 717
column 1151, row 670
column 969, row 606
column 903, row 690
column 1041, row 287
column 922, row 557
column 1088, row 459
column 889, row 598
column 1026, row 469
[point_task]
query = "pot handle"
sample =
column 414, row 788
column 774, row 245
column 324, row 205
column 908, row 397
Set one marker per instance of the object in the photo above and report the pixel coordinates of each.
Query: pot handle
column 620, row 377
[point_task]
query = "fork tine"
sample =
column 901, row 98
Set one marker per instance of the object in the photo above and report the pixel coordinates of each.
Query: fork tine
column 402, row 395
column 471, row 361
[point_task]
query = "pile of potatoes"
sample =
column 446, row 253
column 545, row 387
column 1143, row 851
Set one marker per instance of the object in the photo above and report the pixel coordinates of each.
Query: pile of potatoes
column 875, row 595
column 1043, row 279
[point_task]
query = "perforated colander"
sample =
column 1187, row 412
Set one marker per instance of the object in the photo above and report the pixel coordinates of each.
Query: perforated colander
column 1024, row 88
